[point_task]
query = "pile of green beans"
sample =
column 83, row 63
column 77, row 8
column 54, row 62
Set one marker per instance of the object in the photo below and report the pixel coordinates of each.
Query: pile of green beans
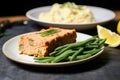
column 74, row 51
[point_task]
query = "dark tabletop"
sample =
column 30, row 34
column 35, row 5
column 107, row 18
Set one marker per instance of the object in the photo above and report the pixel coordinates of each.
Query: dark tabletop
column 104, row 67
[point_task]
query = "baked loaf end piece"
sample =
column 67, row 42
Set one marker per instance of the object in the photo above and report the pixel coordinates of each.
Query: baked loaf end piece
column 41, row 43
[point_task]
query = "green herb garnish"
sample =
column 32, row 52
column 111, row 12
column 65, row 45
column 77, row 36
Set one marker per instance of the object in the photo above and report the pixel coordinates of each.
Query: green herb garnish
column 39, row 51
column 49, row 32
column 31, row 42
column 20, row 46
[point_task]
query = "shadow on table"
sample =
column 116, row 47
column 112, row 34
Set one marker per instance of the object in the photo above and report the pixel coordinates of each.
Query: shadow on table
column 94, row 64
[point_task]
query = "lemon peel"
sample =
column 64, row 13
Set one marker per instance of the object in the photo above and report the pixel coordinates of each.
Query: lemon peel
column 118, row 27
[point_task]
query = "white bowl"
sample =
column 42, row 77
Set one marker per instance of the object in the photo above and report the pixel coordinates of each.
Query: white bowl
column 102, row 15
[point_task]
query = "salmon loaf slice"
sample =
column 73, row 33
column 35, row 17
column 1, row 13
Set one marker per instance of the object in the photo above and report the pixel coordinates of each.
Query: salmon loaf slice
column 41, row 43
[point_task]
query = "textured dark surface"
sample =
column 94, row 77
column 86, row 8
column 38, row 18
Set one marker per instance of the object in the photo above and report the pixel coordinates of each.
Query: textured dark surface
column 104, row 67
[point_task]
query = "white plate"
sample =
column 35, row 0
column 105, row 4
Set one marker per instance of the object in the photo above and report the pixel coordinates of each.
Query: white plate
column 10, row 50
column 101, row 15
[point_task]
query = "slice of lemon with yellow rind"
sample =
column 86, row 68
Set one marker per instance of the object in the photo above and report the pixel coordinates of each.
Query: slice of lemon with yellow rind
column 118, row 27
column 112, row 38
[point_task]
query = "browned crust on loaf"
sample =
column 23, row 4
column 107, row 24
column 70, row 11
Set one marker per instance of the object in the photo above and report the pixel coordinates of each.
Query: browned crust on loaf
column 36, row 45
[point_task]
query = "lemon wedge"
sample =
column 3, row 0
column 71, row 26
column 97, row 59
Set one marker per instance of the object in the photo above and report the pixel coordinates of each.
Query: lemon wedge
column 112, row 38
column 118, row 27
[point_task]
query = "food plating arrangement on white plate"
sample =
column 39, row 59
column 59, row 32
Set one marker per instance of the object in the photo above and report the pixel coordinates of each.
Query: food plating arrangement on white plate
column 53, row 47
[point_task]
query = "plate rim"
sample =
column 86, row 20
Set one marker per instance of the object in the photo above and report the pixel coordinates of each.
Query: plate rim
column 47, row 64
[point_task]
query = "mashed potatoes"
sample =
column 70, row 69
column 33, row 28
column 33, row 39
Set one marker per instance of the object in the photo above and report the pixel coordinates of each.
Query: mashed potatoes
column 68, row 12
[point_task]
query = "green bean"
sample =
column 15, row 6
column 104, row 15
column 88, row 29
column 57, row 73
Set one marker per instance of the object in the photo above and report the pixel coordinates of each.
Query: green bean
column 73, row 51
column 96, row 41
column 83, row 56
column 61, row 47
column 41, row 58
column 76, row 48
column 45, row 60
column 57, row 50
column 77, row 44
column 62, row 56
column 92, row 46
column 91, row 43
column 76, row 53
column 101, row 42
column 79, row 57
column 53, row 53
column 93, row 51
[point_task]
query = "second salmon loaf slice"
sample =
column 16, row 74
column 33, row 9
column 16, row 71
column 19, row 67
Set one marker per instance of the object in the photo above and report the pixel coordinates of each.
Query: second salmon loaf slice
column 41, row 43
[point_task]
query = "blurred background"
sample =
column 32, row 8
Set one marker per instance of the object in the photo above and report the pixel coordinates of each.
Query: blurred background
column 20, row 7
